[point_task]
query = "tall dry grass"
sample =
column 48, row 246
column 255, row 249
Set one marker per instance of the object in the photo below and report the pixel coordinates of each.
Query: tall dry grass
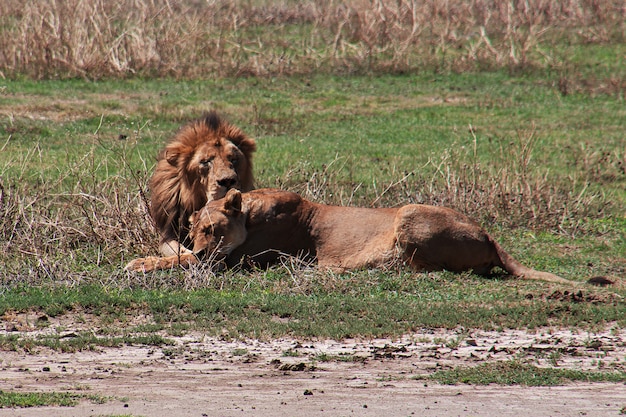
column 49, row 227
column 192, row 38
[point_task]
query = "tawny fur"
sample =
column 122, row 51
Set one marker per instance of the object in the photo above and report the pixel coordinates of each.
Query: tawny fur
column 201, row 163
column 262, row 225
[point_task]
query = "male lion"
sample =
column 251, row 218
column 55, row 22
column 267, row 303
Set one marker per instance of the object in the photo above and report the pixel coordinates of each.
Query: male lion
column 261, row 225
column 201, row 163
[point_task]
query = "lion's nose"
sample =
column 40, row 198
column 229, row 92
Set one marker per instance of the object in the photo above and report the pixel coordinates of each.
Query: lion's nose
column 228, row 182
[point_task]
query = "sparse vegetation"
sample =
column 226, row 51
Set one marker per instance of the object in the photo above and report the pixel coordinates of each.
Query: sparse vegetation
column 516, row 373
column 10, row 399
column 248, row 304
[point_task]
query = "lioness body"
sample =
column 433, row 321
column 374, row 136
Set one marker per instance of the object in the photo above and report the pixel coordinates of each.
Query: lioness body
column 261, row 225
column 201, row 163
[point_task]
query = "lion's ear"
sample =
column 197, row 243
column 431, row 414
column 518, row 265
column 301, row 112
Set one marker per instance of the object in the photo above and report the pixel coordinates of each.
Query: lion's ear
column 171, row 156
column 175, row 151
column 247, row 146
column 192, row 218
column 233, row 200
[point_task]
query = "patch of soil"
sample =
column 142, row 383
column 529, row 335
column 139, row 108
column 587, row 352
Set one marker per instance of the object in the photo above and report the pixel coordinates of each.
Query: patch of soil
column 206, row 376
column 580, row 297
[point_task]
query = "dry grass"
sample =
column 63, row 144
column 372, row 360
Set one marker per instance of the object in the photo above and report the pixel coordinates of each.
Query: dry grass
column 98, row 38
column 47, row 226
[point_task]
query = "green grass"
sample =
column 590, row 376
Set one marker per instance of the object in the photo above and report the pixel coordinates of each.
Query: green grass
column 362, row 304
column 516, row 373
column 10, row 399
column 401, row 121
column 79, row 342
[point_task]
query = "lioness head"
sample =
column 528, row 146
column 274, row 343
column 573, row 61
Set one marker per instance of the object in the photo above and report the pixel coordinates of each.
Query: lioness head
column 219, row 227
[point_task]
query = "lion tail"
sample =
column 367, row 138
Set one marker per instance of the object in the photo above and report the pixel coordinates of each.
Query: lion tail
column 152, row 263
column 515, row 268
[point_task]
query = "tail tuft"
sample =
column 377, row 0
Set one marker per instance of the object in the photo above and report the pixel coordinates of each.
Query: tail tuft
column 600, row 281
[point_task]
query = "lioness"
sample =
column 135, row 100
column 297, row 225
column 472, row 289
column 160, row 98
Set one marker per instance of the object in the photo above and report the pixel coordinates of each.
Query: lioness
column 201, row 163
column 261, row 225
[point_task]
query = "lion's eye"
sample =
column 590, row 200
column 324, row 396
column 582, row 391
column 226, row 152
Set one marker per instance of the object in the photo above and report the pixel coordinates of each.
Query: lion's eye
column 206, row 162
column 234, row 161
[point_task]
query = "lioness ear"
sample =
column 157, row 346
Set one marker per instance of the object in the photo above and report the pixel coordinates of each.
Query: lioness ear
column 192, row 218
column 233, row 200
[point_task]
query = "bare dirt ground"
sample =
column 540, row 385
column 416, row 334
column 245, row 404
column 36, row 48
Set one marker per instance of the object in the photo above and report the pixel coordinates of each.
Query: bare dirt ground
column 207, row 376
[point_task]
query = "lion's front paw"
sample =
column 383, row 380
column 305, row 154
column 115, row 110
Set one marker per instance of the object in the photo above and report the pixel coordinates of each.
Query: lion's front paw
column 142, row 264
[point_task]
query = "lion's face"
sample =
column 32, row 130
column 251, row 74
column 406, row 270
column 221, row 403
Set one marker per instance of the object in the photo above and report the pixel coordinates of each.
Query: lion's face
column 218, row 166
column 219, row 227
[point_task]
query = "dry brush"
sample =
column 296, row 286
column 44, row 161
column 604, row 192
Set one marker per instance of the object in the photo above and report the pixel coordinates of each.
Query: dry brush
column 98, row 38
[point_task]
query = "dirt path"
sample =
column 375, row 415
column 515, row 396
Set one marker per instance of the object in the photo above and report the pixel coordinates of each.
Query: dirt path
column 201, row 376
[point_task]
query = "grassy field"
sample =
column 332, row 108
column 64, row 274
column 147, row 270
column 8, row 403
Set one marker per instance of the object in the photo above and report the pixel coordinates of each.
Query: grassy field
column 74, row 184
column 532, row 148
